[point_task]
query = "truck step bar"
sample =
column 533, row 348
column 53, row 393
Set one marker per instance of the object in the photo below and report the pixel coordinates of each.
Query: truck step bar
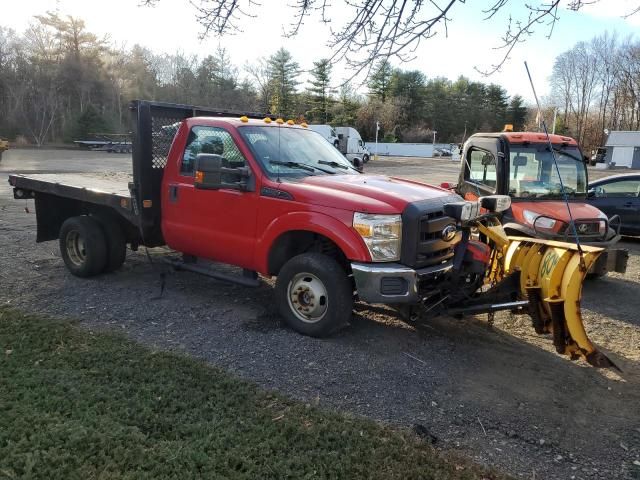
column 249, row 278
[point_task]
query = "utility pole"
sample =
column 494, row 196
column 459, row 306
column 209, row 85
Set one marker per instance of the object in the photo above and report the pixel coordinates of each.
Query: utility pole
column 433, row 146
column 375, row 155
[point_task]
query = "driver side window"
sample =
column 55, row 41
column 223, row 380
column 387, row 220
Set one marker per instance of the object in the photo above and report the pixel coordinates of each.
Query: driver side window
column 624, row 188
column 482, row 165
column 214, row 140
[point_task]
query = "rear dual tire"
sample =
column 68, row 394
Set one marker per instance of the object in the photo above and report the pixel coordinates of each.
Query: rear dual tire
column 91, row 245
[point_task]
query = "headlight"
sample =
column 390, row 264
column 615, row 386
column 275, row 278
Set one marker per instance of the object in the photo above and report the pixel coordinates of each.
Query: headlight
column 601, row 225
column 544, row 223
column 381, row 233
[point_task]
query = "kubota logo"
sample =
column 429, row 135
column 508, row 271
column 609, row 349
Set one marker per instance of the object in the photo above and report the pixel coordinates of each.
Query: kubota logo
column 583, row 228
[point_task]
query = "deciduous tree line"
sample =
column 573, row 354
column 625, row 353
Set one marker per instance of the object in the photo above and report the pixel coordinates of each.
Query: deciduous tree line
column 596, row 87
column 60, row 82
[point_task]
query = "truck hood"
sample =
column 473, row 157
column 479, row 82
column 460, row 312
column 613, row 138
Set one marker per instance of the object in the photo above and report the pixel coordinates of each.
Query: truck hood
column 556, row 209
column 362, row 193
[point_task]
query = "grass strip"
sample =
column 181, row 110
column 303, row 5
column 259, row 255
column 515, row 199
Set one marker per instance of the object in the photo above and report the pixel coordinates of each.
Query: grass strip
column 77, row 404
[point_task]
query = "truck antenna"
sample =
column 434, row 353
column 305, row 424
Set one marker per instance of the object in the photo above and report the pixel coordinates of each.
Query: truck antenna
column 555, row 163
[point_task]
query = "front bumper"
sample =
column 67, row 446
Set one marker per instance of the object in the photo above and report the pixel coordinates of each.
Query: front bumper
column 393, row 282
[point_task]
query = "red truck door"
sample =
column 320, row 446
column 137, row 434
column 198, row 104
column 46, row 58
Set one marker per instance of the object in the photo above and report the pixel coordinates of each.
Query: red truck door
column 214, row 224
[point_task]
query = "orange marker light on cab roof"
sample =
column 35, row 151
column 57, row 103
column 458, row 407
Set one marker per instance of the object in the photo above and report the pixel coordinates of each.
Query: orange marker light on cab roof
column 304, row 125
column 290, row 122
column 244, row 119
column 267, row 120
column 279, row 121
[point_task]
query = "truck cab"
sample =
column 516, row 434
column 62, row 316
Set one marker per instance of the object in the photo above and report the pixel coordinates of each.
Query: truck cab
column 521, row 165
column 328, row 132
column 351, row 144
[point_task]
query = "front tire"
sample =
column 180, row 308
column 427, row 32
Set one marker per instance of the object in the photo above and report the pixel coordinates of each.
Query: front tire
column 83, row 246
column 314, row 294
column 365, row 158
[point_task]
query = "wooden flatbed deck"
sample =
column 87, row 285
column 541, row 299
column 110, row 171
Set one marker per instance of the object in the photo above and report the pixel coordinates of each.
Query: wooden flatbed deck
column 107, row 189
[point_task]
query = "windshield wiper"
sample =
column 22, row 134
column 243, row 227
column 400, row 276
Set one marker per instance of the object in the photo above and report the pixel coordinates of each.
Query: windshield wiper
column 301, row 166
column 567, row 154
column 333, row 164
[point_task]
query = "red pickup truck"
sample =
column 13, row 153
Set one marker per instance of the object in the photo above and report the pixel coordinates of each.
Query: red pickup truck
column 274, row 199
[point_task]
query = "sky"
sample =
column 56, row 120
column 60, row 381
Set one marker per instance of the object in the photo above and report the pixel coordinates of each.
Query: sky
column 468, row 45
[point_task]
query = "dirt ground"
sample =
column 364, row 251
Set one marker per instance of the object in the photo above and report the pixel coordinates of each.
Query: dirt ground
column 501, row 396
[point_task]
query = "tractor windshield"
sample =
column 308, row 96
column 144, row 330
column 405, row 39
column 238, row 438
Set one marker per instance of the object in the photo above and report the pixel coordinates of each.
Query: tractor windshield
column 532, row 173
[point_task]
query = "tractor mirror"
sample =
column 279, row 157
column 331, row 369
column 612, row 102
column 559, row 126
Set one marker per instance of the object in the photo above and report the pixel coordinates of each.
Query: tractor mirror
column 520, row 161
column 488, row 159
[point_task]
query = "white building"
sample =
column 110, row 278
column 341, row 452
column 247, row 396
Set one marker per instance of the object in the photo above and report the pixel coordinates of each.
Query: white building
column 623, row 149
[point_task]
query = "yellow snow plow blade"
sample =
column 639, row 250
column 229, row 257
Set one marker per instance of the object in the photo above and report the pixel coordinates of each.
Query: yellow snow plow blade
column 551, row 277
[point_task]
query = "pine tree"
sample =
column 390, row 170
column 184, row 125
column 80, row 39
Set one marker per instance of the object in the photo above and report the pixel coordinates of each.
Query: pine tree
column 320, row 92
column 497, row 102
column 283, row 71
column 380, row 81
column 517, row 113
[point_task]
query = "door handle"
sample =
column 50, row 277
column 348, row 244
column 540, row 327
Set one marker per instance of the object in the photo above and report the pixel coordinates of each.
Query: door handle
column 628, row 204
column 173, row 193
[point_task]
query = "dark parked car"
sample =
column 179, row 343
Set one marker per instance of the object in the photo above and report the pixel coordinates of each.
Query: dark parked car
column 619, row 195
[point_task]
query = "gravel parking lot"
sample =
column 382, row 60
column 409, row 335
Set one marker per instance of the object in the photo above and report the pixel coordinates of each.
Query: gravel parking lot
column 501, row 396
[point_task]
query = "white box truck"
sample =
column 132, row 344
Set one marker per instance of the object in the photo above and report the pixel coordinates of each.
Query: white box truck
column 327, row 132
column 351, row 145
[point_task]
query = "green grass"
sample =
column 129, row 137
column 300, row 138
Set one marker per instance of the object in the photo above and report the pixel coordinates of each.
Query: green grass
column 79, row 405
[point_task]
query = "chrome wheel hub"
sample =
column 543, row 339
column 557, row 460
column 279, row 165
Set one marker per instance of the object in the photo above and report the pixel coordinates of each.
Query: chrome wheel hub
column 308, row 298
column 76, row 249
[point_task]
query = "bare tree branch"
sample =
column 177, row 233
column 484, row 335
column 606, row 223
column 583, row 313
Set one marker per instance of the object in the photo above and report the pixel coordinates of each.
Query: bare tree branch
column 383, row 29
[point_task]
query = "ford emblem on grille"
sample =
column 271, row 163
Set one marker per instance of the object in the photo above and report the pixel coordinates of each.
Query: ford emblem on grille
column 449, row 232
column 583, row 227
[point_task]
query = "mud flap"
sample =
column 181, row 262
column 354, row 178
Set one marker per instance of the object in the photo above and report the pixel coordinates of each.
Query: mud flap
column 551, row 277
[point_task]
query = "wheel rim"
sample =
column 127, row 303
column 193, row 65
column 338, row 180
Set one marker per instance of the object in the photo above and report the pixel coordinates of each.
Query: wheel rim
column 308, row 298
column 76, row 250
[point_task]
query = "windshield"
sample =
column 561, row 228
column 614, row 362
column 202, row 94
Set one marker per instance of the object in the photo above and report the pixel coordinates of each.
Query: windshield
column 294, row 152
column 532, row 173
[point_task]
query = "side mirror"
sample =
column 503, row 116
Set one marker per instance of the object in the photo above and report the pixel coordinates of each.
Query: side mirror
column 357, row 162
column 211, row 174
column 591, row 193
column 496, row 203
column 488, row 160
